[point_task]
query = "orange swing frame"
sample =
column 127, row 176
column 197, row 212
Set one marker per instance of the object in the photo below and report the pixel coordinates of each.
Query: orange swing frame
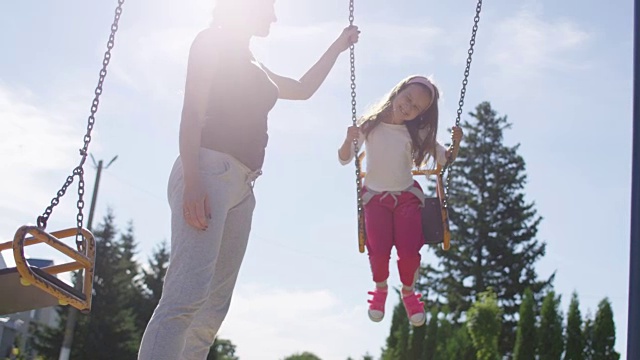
column 39, row 287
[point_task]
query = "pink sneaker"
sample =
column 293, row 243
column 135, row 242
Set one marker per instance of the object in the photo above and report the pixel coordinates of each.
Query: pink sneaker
column 415, row 309
column 376, row 304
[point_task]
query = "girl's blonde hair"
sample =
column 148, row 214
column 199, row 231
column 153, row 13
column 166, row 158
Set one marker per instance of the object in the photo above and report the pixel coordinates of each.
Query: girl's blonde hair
column 423, row 129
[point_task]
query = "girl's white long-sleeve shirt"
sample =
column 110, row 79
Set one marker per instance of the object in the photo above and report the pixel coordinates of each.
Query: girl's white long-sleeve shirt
column 389, row 161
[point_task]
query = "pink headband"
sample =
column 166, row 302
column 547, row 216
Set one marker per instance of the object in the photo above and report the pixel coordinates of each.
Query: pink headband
column 424, row 81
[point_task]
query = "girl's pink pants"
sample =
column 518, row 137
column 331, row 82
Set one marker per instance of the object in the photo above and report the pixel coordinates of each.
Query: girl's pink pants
column 394, row 218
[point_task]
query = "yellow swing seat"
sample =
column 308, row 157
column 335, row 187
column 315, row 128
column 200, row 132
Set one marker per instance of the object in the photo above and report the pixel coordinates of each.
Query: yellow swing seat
column 26, row 287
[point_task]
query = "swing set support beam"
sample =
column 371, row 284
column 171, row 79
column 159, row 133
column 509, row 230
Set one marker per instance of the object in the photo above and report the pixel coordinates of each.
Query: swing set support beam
column 633, row 331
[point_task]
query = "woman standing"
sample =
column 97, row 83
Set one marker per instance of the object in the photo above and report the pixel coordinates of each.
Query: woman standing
column 223, row 136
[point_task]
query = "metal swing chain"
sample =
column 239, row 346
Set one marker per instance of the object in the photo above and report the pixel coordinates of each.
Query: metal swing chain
column 463, row 92
column 79, row 170
column 354, row 120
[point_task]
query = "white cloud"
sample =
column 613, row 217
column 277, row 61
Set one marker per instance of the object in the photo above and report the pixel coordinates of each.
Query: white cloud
column 527, row 44
column 268, row 323
column 380, row 43
column 152, row 53
column 31, row 134
column 154, row 61
column 39, row 145
column 523, row 53
column 401, row 43
column 34, row 141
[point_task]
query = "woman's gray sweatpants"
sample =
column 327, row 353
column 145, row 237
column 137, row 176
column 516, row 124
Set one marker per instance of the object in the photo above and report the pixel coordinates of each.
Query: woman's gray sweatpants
column 203, row 265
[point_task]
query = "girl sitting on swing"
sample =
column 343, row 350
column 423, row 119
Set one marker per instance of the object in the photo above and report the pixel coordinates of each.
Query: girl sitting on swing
column 398, row 133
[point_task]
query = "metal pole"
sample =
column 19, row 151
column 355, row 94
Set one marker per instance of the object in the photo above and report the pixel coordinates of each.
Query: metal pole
column 95, row 196
column 633, row 329
column 72, row 316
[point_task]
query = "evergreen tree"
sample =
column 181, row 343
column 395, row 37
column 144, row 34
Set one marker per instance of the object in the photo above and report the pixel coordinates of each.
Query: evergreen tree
column 446, row 349
column 398, row 340
column 222, row 349
column 109, row 331
column 152, row 282
column 525, row 348
column 604, row 333
column 493, row 227
column 484, row 324
column 127, row 251
column 124, row 299
column 551, row 341
column 575, row 337
column 47, row 340
column 366, row 356
column 129, row 274
column 418, row 338
column 459, row 346
column 431, row 341
column 303, row 356
column 452, row 341
column 587, row 331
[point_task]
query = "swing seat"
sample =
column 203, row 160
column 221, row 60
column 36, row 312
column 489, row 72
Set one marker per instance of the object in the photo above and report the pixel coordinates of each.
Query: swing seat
column 18, row 298
column 435, row 218
column 26, row 287
column 432, row 227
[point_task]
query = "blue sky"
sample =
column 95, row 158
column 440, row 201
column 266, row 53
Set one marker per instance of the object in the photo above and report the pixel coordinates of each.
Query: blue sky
column 560, row 71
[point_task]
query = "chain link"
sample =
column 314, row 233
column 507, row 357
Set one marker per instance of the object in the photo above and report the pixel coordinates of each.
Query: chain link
column 79, row 170
column 463, row 92
column 354, row 120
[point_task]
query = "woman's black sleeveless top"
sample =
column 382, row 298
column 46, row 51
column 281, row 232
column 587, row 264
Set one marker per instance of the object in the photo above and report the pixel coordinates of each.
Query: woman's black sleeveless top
column 241, row 96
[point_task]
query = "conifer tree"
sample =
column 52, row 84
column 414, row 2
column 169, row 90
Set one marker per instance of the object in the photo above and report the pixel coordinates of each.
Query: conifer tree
column 417, row 342
column 550, row 339
column 587, row 330
column 109, row 331
column 604, row 333
column 575, row 337
column 525, row 348
column 398, row 341
column 151, row 283
column 484, row 321
column 223, row 349
column 494, row 228
column 431, row 340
